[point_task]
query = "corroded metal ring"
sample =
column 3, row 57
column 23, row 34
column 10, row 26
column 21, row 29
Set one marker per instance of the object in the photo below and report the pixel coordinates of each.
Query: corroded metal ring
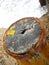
column 22, row 35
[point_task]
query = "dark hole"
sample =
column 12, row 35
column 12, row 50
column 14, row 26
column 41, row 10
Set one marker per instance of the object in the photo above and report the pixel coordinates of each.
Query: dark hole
column 23, row 31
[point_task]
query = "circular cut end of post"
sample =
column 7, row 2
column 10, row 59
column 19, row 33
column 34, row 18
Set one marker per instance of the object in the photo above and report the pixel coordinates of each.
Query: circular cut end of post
column 23, row 35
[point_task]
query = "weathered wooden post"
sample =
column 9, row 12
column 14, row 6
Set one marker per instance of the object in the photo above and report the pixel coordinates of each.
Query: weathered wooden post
column 23, row 39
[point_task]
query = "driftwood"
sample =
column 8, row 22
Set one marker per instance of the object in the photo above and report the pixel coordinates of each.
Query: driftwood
column 5, row 59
